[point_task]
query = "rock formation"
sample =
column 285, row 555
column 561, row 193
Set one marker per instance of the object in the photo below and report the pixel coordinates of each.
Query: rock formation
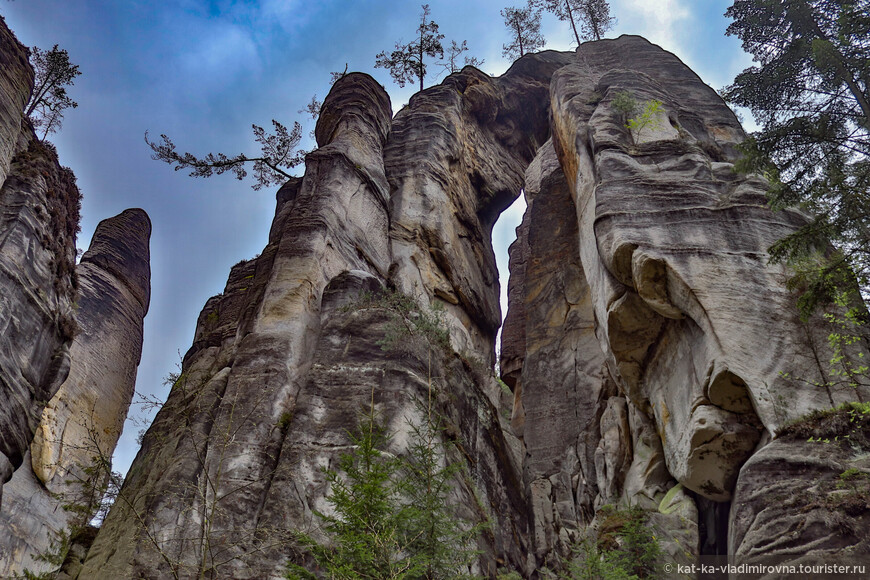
column 81, row 424
column 71, row 335
column 649, row 345
column 39, row 217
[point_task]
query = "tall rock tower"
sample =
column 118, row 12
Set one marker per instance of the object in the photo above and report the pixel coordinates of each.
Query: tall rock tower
column 70, row 336
column 648, row 352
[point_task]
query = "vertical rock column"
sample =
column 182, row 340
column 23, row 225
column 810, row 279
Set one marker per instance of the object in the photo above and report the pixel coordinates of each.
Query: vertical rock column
column 38, row 221
column 208, row 462
column 81, row 424
column 39, row 205
column 455, row 160
column 564, row 384
column 698, row 325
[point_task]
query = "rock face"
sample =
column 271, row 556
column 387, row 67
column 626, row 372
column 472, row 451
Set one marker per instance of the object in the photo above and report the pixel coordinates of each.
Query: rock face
column 81, row 424
column 39, row 215
column 646, row 346
column 805, row 495
column 70, row 394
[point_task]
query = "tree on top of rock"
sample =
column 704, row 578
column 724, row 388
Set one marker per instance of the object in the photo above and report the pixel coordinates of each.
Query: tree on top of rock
column 524, row 25
column 593, row 16
column 810, row 92
column 409, row 62
column 279, row 155
column 53, row 73
column 453, row 52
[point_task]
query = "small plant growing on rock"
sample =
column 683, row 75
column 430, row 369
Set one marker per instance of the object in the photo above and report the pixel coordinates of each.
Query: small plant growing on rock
column 624, row 104
column 648, row 119
column 848, row 424
column 635, row 119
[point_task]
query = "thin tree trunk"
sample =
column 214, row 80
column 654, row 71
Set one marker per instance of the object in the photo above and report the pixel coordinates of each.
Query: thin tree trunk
column 422, row 73
column 519, row 36
column 571, row 20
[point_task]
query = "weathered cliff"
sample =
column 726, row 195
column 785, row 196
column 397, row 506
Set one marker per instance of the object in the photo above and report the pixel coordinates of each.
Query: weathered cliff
column 39, row 216
column 71, row 335
column 649, row 343
column 693, row 343
column 67, row 462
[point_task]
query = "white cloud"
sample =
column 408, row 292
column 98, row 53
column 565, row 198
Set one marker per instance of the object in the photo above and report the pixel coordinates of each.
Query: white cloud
column 659, row 21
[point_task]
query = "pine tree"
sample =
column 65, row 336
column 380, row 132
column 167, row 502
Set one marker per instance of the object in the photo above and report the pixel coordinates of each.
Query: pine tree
column 408, row 61
column 524, row 25
column 392, row 516
column 53, row 74
column 365, row 526
column 593, row 16
column 441, row 542
column 279, row 155
column 809, row 93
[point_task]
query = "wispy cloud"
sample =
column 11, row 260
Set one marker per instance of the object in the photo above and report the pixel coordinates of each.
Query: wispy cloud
column 660, row 21
column 225, row 47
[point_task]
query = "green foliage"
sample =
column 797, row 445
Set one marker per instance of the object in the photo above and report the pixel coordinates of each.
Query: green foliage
column 622, row 548
column 53, row 556
column 365, row 526
column 851, row 475
column 625, row 105
column 635, row 118
column 285, row 419
column 53, row 74
column 648, row 119
column 409, row 62
column 524, row 25
column 409, row 321
column 848, row 331
column 809, row 93
column 391, row 516
column 848, row 365
column 847, row 426
column 278, row 156
column 440, row 541
column 593, row 16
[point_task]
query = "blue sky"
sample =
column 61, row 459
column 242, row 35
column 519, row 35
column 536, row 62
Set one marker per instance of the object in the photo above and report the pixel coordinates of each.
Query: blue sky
column 203, row 71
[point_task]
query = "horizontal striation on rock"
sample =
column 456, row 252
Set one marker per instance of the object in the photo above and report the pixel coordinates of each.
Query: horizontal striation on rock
column 645, row 347
column 16, row 84
column 803, row 497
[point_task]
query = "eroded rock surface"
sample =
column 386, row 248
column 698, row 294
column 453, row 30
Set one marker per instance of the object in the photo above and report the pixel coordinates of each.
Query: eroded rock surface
column 83, row 421
column 805, row 497
column 39, row 216
column 645, row 348
column 16, row 84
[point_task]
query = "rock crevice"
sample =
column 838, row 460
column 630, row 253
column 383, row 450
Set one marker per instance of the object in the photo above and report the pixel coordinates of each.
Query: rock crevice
column 646, row 345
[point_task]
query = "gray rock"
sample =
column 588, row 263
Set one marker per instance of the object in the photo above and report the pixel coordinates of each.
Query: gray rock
column 38, row 223
column 800, row 501
column 646, row 358
column 16, row 84
column 81, row 424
